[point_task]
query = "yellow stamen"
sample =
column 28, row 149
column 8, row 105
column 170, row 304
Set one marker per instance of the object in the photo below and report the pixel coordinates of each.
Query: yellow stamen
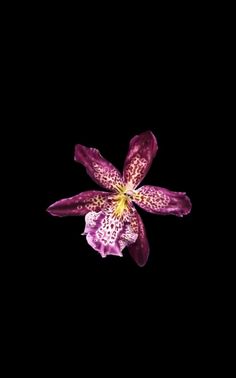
column 124, row 195
column 120, row 188
column 121, row 204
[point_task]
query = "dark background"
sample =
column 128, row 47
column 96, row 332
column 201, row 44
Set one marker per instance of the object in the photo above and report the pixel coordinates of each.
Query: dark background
column 101, row 89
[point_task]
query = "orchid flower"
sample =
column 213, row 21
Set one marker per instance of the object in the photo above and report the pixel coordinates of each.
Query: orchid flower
column 111, row 220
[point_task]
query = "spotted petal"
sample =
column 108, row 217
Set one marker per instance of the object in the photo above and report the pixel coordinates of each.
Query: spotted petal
column 81, row 204
column 140, row 249
column 98, row 168
column 107, row 234
column 162, row 201
column 142, row 150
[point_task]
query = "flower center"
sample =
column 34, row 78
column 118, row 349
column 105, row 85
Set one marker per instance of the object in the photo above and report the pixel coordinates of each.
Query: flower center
column 121, row 204
column 122, row 200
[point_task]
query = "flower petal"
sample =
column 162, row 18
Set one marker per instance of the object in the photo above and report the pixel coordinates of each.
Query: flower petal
column 162, row 201
column 107, row 234
column 142, row 150
column 140, row 249
column 81, row 204
column 98, row 168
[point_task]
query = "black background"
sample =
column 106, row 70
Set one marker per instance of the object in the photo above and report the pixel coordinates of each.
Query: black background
column 97, row 89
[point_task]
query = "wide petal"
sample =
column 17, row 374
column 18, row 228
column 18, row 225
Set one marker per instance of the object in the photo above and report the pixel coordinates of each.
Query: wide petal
column 81, row 204
column 140, row 249
column 107, row 234
column 98, row 168
column 142, row 150
column 158, row 200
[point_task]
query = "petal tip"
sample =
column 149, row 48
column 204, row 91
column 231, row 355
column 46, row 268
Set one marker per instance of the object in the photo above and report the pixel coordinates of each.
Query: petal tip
column 48, row 210
column 150, row 134
column 141, row 264
column 186, row 206
column 77, row 149
column 51, row 211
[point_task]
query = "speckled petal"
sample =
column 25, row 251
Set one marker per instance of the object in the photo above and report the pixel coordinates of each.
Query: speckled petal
column 98, row 168
column 107, row 234
column 81, row 204
column 140, row 249
column 162, row 201
column 142, row 150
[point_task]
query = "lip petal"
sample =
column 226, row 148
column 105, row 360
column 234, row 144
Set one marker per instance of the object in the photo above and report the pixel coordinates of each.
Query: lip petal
column 107, row 234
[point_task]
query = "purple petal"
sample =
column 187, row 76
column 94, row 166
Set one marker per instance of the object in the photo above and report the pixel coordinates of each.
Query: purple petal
column 107, row 234
column 142, row 150
column 91, row 200
column 140, row 249
column 98, row 168
column 162, row 201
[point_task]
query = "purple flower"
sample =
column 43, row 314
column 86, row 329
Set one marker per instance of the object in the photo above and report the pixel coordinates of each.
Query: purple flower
column 112, row 222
